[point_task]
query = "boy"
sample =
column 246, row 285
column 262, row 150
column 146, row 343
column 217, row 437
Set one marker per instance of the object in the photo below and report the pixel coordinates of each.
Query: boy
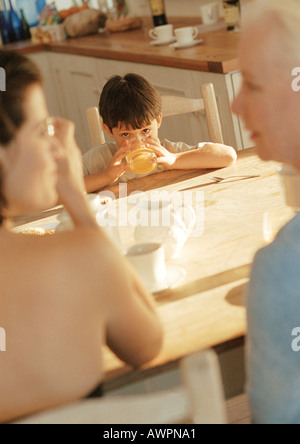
column 131, row 110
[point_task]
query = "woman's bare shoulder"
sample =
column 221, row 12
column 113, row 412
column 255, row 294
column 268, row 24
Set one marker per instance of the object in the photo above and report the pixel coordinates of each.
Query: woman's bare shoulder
column 73, row 256
column 64, row 242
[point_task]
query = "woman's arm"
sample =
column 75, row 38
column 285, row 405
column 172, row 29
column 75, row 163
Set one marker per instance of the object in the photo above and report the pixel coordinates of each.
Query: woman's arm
column 70, row 184
column 134, row 329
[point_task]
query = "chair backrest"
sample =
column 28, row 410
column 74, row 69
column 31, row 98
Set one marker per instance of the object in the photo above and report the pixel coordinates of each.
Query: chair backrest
column 198, row 400
column 172, row 106
column 95, row 126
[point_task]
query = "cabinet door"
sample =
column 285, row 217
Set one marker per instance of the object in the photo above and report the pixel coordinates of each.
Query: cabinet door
column 77, row 86
column 176, row 82
column 43, row 62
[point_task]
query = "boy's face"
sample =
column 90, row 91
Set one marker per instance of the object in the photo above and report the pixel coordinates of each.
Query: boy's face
column 123, row 134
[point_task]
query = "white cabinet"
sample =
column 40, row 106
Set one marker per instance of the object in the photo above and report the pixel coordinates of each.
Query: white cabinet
column 43, row 61
column 77, row 88
column 74, row 83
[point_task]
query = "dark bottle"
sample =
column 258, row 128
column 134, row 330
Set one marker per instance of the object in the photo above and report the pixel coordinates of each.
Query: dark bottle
column 232, row 13
column 158, row 12
column 25, row 28
column 7, row 30
column 15, row 22
column 30, row 11
column 7, row 33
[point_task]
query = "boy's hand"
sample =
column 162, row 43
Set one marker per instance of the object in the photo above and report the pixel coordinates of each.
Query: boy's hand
column 116, row 168
column 164, row 157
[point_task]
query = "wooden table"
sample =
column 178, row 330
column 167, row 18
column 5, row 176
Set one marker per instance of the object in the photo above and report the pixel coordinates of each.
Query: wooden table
column 207, row 308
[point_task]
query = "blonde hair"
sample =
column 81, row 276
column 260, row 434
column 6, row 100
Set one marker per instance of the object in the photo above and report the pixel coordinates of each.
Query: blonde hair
column 286, row 17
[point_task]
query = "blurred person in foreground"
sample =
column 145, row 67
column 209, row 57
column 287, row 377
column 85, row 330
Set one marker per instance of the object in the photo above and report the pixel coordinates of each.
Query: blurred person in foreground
column 270, row 106
column 63, row 296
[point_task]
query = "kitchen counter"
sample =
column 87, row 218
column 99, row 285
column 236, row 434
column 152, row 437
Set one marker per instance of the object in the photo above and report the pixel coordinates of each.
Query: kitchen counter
column 218, row 53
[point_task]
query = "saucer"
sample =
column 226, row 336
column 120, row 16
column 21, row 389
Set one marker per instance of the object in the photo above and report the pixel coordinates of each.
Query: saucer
column 162, row 42
column 175, row 275
column 187, row 44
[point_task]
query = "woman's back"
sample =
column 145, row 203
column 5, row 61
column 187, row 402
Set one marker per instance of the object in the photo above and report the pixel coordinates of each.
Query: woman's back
column 52, row 318
column 63, row 296
column 58, row 307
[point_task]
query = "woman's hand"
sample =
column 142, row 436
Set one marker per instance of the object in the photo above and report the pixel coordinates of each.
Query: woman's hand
column 70, row 171
column 70, row 185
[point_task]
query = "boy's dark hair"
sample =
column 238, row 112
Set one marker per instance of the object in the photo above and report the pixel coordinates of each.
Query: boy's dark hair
column 130, row 100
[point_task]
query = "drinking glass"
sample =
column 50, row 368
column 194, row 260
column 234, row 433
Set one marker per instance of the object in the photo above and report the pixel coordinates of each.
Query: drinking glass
column 142, row 160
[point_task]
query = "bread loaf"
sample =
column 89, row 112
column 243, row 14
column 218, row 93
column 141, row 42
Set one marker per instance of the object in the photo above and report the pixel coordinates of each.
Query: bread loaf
column 84, row 22
column 123, row 23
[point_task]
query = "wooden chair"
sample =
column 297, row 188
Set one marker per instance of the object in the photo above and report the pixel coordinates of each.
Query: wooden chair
column 95, row 126
column 198, row 400
column 172, row 106
column 175, row 106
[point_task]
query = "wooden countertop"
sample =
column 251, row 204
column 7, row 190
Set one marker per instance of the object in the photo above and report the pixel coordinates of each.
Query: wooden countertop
column 217, row 54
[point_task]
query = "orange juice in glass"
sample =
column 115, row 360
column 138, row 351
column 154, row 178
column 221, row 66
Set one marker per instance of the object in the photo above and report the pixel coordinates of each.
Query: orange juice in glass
column 142, row 160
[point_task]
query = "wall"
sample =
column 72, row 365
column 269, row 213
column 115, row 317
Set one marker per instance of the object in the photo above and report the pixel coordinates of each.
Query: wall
column 141, row 7
column 176, row 7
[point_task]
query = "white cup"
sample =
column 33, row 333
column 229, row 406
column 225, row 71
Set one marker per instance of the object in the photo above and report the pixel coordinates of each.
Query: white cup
column 210, row 13
column 186, row 35
column 162, row 33
column 149, row 262
column 290, row 183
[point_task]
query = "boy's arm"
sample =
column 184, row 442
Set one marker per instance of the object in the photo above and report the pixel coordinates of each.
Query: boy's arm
column 115, row 169
column 204, row 156
column 208, row 156
column 95, row 182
